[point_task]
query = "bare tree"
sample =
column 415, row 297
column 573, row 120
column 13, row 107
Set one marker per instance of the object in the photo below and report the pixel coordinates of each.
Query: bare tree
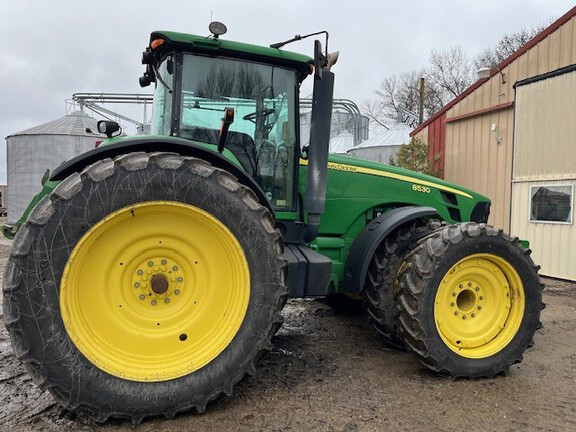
column 395, row 93
column 241, row 81
column 447, row 76
column 449, row 72
column 507, row 45
column 219, row 81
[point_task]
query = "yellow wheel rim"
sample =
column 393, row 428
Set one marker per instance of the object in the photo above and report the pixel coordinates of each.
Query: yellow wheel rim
column 479, row 306
column 155, row 291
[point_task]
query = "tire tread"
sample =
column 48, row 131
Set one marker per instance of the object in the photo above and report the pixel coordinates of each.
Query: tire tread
column 16, row 291
column 413, row 321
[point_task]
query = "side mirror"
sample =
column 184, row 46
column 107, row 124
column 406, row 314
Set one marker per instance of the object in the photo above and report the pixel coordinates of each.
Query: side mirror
column 108, row 128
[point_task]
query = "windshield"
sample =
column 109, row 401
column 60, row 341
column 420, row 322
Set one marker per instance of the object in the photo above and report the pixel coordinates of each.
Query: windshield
column 262, row 136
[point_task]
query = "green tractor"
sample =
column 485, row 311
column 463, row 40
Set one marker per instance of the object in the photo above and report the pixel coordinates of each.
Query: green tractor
column 149, row 274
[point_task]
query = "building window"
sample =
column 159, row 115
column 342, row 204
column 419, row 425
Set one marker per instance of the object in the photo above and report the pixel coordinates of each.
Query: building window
column 552, row 204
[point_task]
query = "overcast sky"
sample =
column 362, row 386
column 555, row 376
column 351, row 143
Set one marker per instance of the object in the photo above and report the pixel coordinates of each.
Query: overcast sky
column 52, row 49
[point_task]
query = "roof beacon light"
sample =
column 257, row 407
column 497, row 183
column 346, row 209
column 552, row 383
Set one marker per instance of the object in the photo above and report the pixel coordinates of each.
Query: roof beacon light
column 217, row 29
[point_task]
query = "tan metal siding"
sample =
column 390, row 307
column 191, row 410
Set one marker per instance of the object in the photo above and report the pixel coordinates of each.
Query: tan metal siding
column 472, row 156
column 545, row 154
column 479, row 162
column 544, row 137
column 553, row 245
column 568, row 44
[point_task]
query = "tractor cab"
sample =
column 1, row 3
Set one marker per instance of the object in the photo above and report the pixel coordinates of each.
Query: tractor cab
column 237, row 99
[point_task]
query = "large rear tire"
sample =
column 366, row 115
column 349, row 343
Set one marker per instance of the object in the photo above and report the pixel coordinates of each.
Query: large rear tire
column 147, row 285
column 470, row 301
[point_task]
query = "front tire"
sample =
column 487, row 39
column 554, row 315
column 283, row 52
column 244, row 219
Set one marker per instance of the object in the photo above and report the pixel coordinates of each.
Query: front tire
column 470, row 301
column 147, row 285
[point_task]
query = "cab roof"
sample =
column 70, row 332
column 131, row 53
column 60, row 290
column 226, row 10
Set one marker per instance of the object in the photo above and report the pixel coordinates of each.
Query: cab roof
column 221, row 47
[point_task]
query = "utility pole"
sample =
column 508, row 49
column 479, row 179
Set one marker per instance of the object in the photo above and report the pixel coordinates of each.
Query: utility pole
column 421, row 107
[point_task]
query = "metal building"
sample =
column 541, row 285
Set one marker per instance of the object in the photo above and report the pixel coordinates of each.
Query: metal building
column 511, row 136
column 31, row 152
column 384, row 144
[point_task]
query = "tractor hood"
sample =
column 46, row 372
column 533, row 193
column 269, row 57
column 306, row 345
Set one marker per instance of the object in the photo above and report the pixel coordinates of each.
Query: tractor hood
column 358, row 187
column 352, row 164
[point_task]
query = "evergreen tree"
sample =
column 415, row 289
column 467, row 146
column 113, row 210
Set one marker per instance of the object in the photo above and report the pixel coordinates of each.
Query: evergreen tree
column 415, row 156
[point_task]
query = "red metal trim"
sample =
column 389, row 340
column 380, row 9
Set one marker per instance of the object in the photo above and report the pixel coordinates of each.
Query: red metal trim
column 481, row 112
column 437, row 141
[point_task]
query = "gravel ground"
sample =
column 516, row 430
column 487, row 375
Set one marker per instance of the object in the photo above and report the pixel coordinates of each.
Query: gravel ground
column 330, row 372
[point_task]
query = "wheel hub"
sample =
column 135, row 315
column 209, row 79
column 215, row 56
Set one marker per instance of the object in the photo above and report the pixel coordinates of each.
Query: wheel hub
column 478, row 306
column 159, row 280
column 467, row 299
column 159, row 283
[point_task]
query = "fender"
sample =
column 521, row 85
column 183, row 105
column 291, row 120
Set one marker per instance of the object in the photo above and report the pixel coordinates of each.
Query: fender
column 163, row 144
column 370, row 237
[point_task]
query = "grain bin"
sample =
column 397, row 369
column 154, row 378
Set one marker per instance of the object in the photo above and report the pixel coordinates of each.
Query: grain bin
column 384, row 145
column 31, row 152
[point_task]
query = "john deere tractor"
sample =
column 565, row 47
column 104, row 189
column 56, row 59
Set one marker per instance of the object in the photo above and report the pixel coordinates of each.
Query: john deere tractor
column 149, row 274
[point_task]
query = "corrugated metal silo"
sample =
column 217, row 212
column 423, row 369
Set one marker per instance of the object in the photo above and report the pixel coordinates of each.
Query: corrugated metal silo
column 384, row 145
column 31, row 152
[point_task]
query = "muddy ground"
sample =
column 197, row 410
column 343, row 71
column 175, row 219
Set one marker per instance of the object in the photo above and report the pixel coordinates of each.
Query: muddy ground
column 331, row 372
